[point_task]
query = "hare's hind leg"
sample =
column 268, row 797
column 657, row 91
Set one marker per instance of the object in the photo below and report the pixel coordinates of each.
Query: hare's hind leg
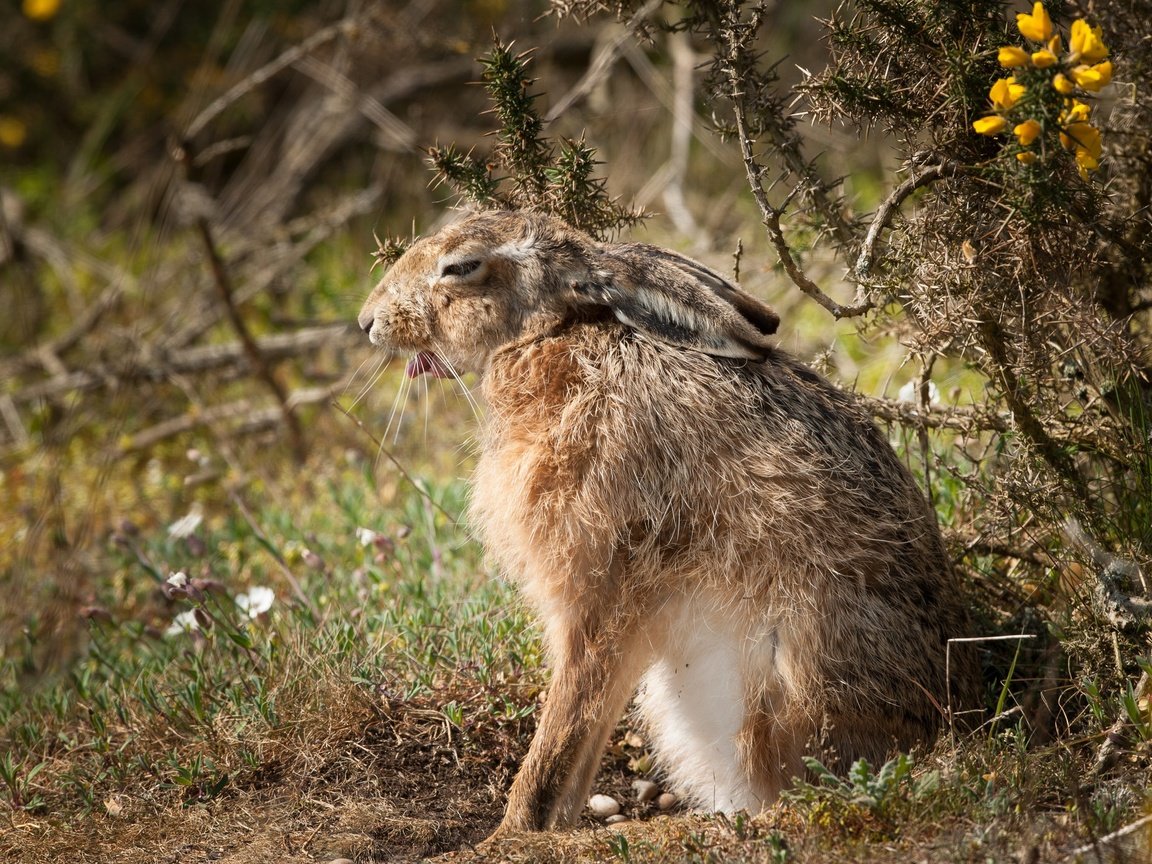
column 773, row 740
column 596, row 668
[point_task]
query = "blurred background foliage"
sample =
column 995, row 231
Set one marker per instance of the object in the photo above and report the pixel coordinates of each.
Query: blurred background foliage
column 294, row 133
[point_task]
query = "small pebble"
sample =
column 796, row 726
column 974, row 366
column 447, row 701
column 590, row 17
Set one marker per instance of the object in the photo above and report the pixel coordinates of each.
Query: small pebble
column 667, row 801
column 645, row 790
column 616, row 820
column 603, row 806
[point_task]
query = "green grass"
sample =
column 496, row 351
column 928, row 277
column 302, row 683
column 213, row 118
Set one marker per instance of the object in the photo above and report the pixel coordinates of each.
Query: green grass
column 400, row 610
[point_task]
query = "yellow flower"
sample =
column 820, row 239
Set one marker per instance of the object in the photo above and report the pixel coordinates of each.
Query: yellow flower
column 1043, row 59
column 1037, row 26
column 41, row 10
column 1027, row 132
column 991, row 125
column 1083, row 136
column 1087, row 42
column 1086, row 160
column 1010, row 57
column 1093, row 78
column 1054, row 44
column 1026, row 158
column 1077, row 112
column 12, row 132
column 1006, row 92
column 1062, row 84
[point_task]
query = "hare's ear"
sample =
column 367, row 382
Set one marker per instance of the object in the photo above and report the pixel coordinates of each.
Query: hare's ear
column 680, row 301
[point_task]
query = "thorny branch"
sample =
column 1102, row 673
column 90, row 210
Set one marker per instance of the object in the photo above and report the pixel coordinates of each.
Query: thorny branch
column 887, row 209
column 740, row 57
column 914, row 416
column 992, row 338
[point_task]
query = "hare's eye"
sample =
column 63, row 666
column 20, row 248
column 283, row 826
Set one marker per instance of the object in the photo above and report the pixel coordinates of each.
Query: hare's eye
column 460, row 268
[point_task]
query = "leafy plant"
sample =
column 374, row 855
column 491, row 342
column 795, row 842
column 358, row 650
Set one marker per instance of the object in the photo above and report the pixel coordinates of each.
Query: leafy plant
column 876, row 791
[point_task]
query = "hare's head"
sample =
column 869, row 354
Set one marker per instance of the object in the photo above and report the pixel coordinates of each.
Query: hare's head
column 494, row 278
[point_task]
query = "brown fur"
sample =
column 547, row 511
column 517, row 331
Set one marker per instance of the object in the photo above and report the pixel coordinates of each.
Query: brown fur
column 658, row 480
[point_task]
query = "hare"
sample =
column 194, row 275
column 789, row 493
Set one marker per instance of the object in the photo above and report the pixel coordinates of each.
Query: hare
column 689, row 510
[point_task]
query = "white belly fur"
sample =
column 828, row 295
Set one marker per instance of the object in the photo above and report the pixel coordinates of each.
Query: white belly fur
column 692, row 701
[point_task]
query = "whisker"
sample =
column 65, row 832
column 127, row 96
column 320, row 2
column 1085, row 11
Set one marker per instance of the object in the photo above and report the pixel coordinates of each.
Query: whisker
column 352, row 377
column 406, row 390
column 397, row 406
column 373, row 379
column 472, row 403
column 426, row 388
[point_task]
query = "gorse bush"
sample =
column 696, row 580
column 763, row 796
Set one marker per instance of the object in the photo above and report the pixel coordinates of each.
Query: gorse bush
column 525, row 170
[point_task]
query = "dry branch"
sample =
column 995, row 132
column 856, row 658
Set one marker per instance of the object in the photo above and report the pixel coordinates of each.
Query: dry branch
column 961, row 419
column 274, row 262
column 883, row 217
column 246, row 417
column 347, row 26
column 605, row 58
column 207, row 358
column 1112, row 748
column 741, row 56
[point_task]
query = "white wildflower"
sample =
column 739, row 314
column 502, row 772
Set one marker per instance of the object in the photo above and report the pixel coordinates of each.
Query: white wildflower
column 185, row 622
column 256, row 600
column 179, row 579
column 366, row 536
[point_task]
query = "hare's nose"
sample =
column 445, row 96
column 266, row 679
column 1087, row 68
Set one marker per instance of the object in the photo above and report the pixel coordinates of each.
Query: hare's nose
column 366, row 319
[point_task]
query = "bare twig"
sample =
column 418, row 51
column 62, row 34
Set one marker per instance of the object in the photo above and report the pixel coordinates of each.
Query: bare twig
column 402, row 136
column 1019, row 637
column 346, row 26
column 12, row 420
column 205, row 358
column 884, row 213
column 316, row 227
column 683, row 119
column 249, row 418
column 1110, row 750
column 605, row 58
column 1108, row 838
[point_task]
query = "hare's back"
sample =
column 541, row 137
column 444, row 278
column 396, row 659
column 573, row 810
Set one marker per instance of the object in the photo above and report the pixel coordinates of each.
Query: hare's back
column 671, row 431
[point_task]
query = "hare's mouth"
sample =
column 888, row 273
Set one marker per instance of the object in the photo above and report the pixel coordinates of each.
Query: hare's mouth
column 427, row 363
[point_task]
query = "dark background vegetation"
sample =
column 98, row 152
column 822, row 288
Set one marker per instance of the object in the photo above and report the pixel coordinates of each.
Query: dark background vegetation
column 192, row 199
